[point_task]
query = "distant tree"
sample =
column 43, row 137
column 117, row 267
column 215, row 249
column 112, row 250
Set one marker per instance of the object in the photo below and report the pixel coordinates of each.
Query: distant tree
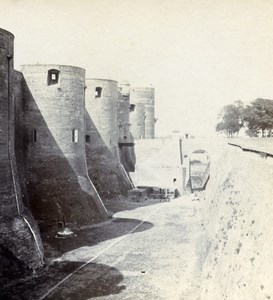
column 231, row 119
column 259, row 117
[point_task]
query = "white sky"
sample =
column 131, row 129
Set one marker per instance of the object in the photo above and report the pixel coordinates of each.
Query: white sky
column 199, row 54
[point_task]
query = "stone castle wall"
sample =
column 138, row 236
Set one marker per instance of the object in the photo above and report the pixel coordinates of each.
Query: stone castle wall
column 66, row 148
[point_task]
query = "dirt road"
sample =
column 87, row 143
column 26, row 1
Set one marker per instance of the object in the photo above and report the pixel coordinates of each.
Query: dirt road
column 162, row 261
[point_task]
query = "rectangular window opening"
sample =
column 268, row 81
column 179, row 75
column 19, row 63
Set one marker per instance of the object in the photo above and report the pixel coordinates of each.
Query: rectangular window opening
column 87, row 139
column 53, row 76
column 98, row 92
column 75, row 135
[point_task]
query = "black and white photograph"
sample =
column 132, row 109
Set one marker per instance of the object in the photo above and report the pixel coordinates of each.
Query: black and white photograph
column 136, row 149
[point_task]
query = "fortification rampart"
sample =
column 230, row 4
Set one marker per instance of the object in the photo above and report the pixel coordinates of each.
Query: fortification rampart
column 237, row 226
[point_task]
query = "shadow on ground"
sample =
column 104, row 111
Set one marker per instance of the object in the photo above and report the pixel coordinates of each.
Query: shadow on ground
column 91, row 281
column 55, row 247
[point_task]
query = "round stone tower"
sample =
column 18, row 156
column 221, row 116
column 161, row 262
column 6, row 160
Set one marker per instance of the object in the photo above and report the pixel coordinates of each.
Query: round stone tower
column 124, row 87
column 59, row 188
column 101, row 105
column 143, row 117
column 6, row 99
column 137, row 119
column 126, row 141
column 20, row 243
column 123, row 112
column 102, row 141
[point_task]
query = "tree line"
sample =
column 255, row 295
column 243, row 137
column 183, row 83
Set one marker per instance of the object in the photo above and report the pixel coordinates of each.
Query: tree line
column 256, row 118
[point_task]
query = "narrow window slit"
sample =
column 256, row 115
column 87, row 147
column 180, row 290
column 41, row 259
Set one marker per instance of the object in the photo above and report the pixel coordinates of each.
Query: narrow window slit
column 75, row 135
column 34, row 135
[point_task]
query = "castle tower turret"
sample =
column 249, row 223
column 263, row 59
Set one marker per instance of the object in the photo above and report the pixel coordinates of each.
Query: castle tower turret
column 101, row 105
column 143, row 118
column 19, row 237
column 59, row 188
column 103, row 161
column 126, row 141
column 8, row 190
column 123, row 113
